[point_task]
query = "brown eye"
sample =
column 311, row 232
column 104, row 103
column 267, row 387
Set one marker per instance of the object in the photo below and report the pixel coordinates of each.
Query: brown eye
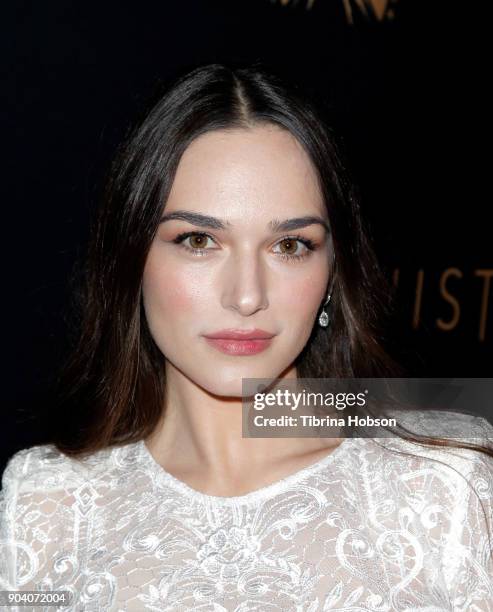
column 195, row 242
column 290, row 246
column 198, row 241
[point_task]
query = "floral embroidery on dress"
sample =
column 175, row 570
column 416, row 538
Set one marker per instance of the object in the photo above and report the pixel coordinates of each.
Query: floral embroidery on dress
column 375, row 526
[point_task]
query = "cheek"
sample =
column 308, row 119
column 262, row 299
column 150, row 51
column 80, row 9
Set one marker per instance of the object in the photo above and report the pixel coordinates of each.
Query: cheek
column 310, row 289
column 171, row 290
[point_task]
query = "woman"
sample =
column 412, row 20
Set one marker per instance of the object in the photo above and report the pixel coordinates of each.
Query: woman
column 228, row 216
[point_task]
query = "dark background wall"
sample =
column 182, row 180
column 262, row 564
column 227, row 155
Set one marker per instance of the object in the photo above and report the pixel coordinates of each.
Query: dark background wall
column 405, row 89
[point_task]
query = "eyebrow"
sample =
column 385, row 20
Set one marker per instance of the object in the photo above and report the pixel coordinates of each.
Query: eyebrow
column 214, row 223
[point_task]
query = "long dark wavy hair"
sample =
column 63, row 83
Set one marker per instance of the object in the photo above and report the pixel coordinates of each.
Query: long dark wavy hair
column 111, row 390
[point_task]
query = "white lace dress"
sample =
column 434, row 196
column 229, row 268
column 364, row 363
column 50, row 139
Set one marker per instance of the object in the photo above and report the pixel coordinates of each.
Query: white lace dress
column 364, row 529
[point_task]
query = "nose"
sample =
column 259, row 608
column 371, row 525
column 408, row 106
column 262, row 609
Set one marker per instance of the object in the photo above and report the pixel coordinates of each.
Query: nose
column 244, row 284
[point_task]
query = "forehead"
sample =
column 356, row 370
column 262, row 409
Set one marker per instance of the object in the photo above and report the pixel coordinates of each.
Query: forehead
column 246, row 173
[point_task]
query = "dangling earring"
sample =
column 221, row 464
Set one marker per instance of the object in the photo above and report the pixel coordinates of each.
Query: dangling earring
column 323, row 319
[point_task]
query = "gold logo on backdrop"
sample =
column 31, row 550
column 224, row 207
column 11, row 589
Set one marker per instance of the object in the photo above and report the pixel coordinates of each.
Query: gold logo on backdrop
column 378, row 9
column 424, row 290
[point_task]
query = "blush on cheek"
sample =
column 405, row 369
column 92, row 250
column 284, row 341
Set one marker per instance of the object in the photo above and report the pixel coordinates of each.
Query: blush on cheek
column 173, row 290
column 312, row 297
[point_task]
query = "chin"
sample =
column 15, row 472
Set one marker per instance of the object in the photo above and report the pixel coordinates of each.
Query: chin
column 226, row 381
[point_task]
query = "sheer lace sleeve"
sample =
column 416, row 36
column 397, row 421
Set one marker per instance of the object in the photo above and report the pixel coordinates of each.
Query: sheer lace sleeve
column 468, row 549
column 34, row 507
column 8, row 502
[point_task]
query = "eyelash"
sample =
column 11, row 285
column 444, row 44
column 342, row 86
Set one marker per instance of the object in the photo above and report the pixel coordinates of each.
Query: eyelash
column 309, row 244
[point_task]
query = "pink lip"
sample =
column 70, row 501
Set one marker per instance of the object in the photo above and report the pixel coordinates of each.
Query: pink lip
column 241, row 334
column 239, row 347
column 240, row 341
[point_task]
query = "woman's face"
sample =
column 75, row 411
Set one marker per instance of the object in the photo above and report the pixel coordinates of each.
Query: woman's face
column 238, row 273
